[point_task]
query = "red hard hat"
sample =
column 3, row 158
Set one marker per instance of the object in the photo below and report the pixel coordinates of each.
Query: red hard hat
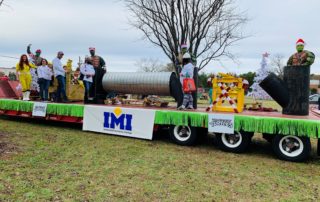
column 38, row 51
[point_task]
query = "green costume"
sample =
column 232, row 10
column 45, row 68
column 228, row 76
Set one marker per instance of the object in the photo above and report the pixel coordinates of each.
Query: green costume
column 302, row 57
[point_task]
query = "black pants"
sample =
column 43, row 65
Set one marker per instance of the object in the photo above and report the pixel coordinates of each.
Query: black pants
column 97, row 91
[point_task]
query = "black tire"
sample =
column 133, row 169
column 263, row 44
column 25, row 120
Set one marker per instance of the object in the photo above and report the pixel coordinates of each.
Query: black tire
column 183, row 135
column 237, row 143
column 291, row 148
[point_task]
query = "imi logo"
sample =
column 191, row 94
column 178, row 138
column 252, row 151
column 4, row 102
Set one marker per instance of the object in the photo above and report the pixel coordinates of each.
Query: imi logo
column 118, row 120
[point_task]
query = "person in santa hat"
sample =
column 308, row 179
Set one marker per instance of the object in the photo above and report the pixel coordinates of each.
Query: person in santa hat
column 301, row 57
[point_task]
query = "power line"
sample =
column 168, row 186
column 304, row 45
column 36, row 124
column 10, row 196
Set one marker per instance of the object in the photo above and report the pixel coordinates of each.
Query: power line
column 5, row 56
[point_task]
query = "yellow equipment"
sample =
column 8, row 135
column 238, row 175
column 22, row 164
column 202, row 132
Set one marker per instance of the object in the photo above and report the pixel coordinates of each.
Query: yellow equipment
column 228, row 93
column 74, row 88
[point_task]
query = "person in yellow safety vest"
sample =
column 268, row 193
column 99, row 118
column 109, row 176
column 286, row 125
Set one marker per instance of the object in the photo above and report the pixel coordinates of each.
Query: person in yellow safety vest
column 24, row 76
column 302, row 57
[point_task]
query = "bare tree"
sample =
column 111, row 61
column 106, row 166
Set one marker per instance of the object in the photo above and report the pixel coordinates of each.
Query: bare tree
column 153, row 65
column 209, row 26
column 2, row 4
column 277, row 62
column 168, row 68
column 149, row 65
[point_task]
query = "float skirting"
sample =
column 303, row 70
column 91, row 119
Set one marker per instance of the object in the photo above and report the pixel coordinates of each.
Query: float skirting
column 259, row 124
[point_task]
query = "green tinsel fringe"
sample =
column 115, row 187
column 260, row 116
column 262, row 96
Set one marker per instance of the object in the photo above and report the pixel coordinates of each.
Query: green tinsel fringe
column 52, row 108
column 194, row 119
column 259, row 124
column 275, row 125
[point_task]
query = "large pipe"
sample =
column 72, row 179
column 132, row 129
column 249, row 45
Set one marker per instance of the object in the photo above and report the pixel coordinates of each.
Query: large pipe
column 276, row 88
column 144, row 83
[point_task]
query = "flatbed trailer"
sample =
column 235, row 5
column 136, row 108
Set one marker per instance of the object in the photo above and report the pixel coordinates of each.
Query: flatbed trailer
column 289, row 135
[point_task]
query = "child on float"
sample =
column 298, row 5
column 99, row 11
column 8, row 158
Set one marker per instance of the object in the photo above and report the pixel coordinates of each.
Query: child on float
column 186, row 72
column 24, row 76
column 44, row 78
column 88, row 72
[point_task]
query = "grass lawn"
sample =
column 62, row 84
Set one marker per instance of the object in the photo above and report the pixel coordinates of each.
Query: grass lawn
column 58, row 162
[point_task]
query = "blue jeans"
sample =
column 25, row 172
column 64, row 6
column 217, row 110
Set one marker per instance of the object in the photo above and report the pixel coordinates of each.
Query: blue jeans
column 44, row 88
column 87, row 87
column 61, row 88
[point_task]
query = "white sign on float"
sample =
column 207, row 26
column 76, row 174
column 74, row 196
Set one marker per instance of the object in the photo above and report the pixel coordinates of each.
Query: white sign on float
column 137, row 123
column 39, row 109
column 221, row 123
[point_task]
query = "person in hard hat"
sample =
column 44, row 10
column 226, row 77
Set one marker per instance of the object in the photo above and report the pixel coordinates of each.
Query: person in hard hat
column 36, row 59
column 183, row 50
column 186, row 72
column 88, row 73
column 24, row 76
column 99, row 65
column 301, row 57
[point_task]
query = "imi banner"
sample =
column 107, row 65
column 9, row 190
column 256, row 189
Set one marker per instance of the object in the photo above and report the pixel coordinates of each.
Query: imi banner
column 137, row 123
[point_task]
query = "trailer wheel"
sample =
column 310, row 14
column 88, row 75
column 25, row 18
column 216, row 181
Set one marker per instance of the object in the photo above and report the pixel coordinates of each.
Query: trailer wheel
column 291, row 148
column 236, row 143
column 183, row 135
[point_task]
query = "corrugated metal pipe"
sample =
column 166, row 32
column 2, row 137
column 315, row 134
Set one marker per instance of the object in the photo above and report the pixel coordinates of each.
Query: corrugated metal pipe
column 144, row 83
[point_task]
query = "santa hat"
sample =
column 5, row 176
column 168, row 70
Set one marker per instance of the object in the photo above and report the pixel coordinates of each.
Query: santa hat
column 300, row 42
column 92, row 49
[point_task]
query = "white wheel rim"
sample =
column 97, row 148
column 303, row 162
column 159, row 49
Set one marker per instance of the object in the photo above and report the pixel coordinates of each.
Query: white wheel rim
column 291, row 146
column 231, row 140
column 182, row 133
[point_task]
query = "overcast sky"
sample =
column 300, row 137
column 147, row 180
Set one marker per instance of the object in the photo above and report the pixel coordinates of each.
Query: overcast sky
column 74, row 25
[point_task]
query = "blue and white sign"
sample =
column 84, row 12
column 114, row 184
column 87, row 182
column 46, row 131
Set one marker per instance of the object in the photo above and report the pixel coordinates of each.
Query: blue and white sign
column 137, row 123
column 221, row 123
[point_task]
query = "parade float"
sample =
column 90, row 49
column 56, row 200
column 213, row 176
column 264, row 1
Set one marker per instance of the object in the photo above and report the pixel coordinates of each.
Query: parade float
column 289, row 132
column 234, row 127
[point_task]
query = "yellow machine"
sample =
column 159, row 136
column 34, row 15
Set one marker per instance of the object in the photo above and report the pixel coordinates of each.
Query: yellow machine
column 74, row 87
column 228, row 94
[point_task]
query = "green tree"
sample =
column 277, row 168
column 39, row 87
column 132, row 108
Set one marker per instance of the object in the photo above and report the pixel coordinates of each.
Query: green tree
column 249, row 76
column 202, row 78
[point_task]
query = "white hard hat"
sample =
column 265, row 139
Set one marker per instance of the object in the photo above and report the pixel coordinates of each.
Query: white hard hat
column 187, row 56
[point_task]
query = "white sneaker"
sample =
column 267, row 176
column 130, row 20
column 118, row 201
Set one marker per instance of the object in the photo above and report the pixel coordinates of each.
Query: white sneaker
column 28, row 95
column 24, row 94
column 182, row 107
